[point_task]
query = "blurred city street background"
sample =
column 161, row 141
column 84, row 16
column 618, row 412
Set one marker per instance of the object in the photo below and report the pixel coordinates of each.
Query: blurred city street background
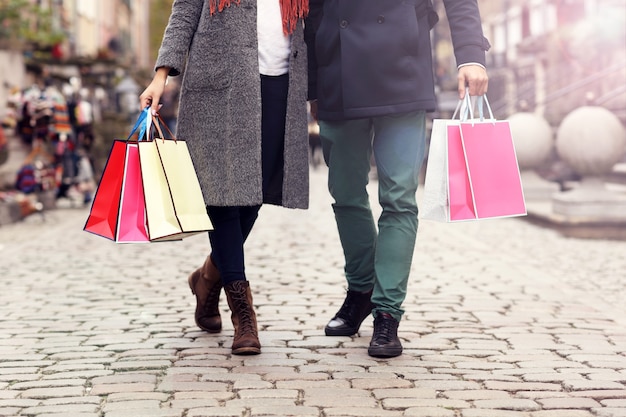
column 519, row 317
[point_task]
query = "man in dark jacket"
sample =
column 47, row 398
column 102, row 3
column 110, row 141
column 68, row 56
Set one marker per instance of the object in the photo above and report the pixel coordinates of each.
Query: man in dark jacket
column 371, row 72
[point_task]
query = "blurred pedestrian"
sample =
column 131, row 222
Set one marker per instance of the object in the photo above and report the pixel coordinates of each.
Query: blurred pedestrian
column 243, row 114
column 372, row 65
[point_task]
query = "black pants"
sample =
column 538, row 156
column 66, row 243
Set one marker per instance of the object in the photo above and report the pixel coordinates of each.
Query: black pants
column 232, row 225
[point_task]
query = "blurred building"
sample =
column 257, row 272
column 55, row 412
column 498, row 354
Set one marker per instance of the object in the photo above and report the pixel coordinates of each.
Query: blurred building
column 91, row 39
column 550, row 56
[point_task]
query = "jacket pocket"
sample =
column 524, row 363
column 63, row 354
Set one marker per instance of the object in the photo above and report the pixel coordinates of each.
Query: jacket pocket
column 208, row 63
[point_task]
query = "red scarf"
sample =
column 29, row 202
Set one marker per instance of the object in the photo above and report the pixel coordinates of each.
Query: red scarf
column 291, row 11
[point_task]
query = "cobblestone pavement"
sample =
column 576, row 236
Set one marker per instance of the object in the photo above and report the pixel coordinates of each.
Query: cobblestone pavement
column 504, row 319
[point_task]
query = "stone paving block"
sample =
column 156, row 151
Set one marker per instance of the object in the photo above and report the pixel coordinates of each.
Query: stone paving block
column 124, row 378
column 254, row 384
column 484, row 412
column 444, row 385
column 327, row 401
column 42, row 393
column 289, row 376
column 614, row 403
column 65, row 409
column 556, row 377
column 304, row 385
column 360, row 412
column 429, row 412
column 606, row 375
column 139, row 365
column 583, row 385
column 567, row 403
column 515, row 404
column 286, row 411
column 12, row 411
column 136, row 396
column 268, row 393
column 19, row 402
column 145, row 413
column 398, row 403
column 521, row 386
column 48, row 384
column 104, row 389
column 216, row 412
column 562, row 413
column 600, row 394
column 20, row 377
column 174, row 386
column 131, row 405
column 479, row 394
column 534, row 395
column 370, row 383
column 194, row 403
column 609, row 412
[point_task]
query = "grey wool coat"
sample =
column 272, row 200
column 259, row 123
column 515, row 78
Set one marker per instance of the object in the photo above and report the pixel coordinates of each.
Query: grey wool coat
column 220, row 103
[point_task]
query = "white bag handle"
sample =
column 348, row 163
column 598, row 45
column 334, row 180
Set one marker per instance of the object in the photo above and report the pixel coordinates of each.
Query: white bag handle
column 467, row 109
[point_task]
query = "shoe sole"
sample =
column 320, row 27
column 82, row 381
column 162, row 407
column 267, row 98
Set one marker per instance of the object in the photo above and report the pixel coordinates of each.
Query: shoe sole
column 329, row 331
column 247, row 351
column 384, row 352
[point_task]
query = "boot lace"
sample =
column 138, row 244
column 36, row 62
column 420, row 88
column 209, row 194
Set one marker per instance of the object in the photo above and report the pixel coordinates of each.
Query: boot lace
column 211, row 303
column 384, row 329
column 246, row 323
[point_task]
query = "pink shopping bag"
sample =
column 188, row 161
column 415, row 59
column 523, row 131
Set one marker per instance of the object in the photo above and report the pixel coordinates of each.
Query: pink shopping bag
column 492, row 169
column 460, row 202
column 132, row 214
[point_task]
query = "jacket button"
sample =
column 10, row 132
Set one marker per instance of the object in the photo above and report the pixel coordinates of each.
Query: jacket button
column 343, row 24
column 380, row 19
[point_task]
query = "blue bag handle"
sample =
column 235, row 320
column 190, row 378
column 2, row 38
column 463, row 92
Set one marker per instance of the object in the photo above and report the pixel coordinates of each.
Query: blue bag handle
column 144, row 121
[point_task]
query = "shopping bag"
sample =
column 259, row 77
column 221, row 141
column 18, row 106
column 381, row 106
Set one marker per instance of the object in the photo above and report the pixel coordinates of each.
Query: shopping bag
column 132, row 213
column 104, row 215
column 174, row 203
column 472, row 170
column 447, row 190
column 493, row 169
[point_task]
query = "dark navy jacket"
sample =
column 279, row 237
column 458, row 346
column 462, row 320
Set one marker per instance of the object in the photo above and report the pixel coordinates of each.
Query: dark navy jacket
column 373, row 57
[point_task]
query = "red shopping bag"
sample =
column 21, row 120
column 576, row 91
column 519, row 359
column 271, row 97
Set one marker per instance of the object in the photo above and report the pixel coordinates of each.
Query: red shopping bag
column 118, row 209
column 104, row 212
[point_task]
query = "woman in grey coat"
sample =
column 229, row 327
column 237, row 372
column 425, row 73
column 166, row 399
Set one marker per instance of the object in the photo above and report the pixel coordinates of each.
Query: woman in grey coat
column 243, row 114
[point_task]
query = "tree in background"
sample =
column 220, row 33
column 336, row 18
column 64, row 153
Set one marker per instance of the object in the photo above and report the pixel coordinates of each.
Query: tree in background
column 27, row 25
column 159, row 14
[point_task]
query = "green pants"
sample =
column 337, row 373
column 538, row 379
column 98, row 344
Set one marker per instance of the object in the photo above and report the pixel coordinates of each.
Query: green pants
column 378, row 259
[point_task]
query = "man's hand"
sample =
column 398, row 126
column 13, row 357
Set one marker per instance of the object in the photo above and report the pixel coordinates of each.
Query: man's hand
column 475, row 77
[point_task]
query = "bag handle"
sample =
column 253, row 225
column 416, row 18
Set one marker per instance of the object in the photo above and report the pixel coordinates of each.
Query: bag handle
column 466, row 109
column 143, row 117
column 158, row 122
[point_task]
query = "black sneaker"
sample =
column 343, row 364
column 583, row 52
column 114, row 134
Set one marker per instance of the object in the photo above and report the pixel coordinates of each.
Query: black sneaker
column 356, row 307
column 385, row 342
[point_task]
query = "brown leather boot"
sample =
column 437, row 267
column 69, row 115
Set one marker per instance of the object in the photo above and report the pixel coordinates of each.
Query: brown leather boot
column 206, row 284
column 246, row 340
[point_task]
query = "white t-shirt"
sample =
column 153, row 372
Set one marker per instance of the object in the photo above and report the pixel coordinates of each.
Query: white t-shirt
column 274, row 45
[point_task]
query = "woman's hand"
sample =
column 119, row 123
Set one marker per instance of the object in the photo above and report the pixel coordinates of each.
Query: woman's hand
column 152, row 94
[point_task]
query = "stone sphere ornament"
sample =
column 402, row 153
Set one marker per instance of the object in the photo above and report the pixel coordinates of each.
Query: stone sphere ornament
column 533, row 139
column 591, row 140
